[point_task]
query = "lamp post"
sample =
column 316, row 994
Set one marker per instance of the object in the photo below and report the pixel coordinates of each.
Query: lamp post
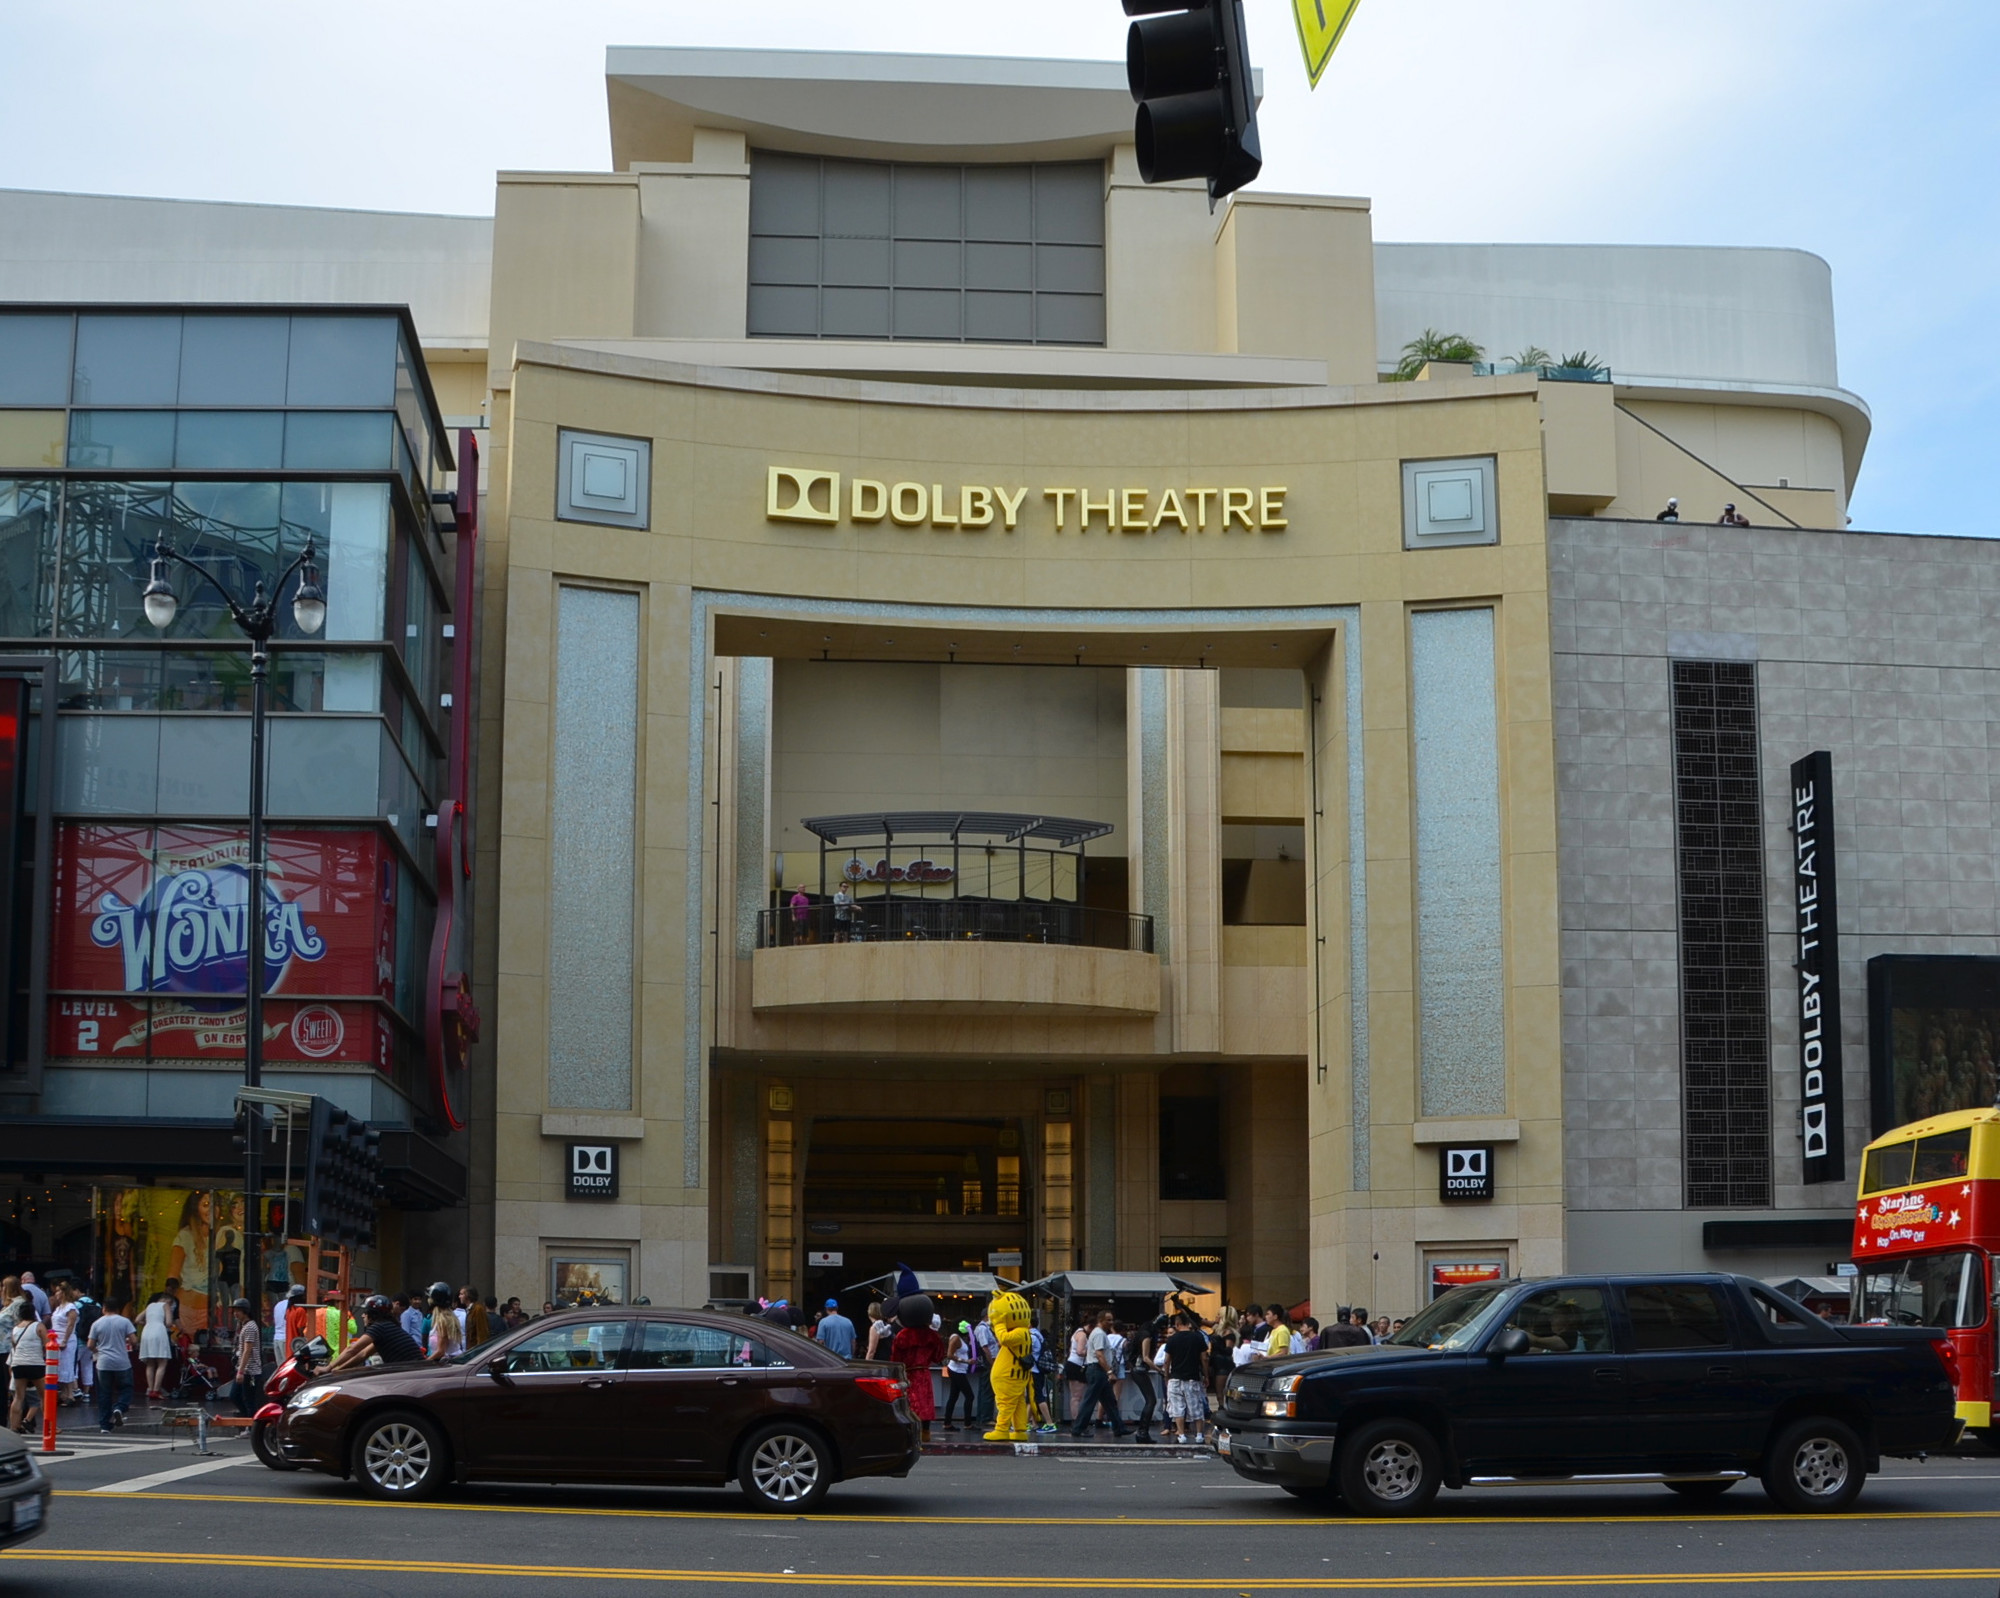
column 257, row 621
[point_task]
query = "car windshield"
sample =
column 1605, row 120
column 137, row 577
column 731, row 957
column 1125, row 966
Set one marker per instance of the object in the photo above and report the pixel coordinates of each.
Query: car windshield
column 1929, row 1290
column 1458, row 1320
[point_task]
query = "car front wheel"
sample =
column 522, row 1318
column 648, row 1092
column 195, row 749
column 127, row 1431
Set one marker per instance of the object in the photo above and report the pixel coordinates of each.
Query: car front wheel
column 785, row 1468
column 399, row 1455
column 264, row 1444
column 1389, row 1467
column 1815, row 1467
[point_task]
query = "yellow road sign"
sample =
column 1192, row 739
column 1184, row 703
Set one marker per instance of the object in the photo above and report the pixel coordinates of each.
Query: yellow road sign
column 1321, row 23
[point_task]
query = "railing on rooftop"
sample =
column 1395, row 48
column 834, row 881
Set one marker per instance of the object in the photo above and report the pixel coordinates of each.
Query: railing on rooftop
column 897, row 920
column 1548, row 374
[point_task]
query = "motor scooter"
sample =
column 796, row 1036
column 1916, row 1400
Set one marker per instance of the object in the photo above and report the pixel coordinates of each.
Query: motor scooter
column 309, row 1357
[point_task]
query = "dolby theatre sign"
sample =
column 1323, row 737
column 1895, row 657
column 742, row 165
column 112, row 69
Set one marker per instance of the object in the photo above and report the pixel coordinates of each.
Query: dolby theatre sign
column 824, row 499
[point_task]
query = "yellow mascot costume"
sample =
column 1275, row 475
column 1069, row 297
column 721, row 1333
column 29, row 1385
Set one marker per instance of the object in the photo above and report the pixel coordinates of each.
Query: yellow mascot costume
column 1013, row 1371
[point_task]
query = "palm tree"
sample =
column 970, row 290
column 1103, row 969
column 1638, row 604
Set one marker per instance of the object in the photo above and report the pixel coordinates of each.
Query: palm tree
column 1530, row 357
column 1431, row 345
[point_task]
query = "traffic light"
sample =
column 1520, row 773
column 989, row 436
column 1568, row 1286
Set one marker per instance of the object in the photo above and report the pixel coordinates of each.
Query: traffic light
column 1189, row 68
column 343, row 1177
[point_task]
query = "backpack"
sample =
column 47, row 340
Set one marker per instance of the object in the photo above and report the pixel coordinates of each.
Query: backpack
column 87, row 1312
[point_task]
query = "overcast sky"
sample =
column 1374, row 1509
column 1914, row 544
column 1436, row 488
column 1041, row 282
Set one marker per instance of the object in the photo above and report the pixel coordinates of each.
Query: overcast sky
column 1868, row 134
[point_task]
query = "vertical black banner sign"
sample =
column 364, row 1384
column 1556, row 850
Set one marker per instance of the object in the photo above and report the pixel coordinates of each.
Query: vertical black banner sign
column 1818, row 966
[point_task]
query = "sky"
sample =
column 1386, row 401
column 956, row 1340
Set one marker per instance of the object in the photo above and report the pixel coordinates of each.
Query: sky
column 1867, row 134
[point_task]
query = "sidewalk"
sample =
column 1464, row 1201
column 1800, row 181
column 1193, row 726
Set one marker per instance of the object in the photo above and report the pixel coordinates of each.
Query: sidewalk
column 1059, row 1444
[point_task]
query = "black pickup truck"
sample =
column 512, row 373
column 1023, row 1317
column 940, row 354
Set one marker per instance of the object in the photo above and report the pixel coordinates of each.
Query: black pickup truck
column 1693, row 1382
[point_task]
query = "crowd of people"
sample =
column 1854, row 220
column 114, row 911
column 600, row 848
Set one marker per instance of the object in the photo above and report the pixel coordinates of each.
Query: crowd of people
column 1171, row 1368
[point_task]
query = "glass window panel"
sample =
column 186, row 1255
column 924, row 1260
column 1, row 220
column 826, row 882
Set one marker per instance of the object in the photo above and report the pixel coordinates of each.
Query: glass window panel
column 1669, row 1315
column 1069, row 318
column 230, row 440
column 323, row 765
column 670, row 1345
column 855, row 313
column 342, row 360
column 857, row 263
column 927, row 313
column 857, row 200
column 34, row 358
column 107, row 541
column 1564, row 1320
column 592, row 1347
column 927, row 202
column 783, row 312
column 1069, row 269
column 784, row 194
column 234, row 360
column 127, row 360
column 999, row 266
column 338, row 440
column 776, row 260
column 1069, row 203
column 31, row 438
column 353, row 525
column 999, row 318
column 132, row 441
column 999, row 202
column 925, row 264
column 108, row 765
column 27, row 556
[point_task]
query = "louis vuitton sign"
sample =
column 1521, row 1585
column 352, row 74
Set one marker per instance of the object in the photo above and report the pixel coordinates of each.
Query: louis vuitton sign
column 826, row 499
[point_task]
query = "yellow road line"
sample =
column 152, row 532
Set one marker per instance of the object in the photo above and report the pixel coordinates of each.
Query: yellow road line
column 1664, row 1518
column 210, row 1560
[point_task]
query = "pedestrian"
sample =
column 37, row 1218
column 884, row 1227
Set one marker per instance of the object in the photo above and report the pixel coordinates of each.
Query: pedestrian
column 835, row 1331
column 1097, row 1388
column 1249, row 1335
column 447, row 1334
column 879, row 1332
column 1671, row 514
column 1732, row 517
column 62, row 1322
column 986, row 1342
column 156, row 1344
column 88, row 1311
column 917, row 1350
column 959, row 1357
column 1395, row 1327
column 41, row 1298
column 1277, row 1333
column 1076, row 1368
column 472, row 1319
column 1345, row 1333
column 383, row 1334
column 27, row 1359
column 513, row 1316
column 1186, row 1352
column 1142, row 1371
column 249, row 1358
column 409, row 1311
column 1042, row 1361
column 843, row 913
column 1307, row 1335
column 1380, row 1328
column 113, row 1340
column 294, row 1297
column 801, row 914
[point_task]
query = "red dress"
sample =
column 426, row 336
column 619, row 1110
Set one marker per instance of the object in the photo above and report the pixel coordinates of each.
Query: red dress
column 917, row 1352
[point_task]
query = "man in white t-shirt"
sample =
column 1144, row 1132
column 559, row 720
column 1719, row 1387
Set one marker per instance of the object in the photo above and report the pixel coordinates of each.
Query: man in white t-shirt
column 112, row 1340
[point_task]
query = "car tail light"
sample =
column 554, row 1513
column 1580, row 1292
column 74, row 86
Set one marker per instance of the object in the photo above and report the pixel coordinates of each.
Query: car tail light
column 1949, row 1354
column 886, row 1388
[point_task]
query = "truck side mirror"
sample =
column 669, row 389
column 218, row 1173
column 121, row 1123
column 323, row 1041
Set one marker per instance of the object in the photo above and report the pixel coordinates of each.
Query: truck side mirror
column 1510, row 1340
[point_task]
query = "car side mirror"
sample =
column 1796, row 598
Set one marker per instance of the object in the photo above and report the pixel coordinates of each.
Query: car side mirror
column 1510, row 1341
column 497, row 1369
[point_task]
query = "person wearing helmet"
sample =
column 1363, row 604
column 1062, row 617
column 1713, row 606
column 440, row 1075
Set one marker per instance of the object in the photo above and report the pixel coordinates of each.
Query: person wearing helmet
column 249, row 1358
column 382, row 1339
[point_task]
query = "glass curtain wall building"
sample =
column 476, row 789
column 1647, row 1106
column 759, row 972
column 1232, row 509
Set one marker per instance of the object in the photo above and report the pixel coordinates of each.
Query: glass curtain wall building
column 235, row 436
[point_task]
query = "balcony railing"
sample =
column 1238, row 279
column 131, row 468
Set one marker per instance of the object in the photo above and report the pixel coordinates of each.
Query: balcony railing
column 892, row 920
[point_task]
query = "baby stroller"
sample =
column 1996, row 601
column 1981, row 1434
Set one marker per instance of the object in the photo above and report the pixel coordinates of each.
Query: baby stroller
column 198, row 1384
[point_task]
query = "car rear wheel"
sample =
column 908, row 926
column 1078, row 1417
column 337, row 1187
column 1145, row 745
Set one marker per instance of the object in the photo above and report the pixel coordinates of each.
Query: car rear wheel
column 1389, row 1467
column 1700, row 1489
column 1815, row 1467
column 785, row 1468
column 400, row 1455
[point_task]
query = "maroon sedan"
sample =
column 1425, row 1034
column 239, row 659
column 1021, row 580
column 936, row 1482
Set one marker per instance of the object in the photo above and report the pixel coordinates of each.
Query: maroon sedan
column 614, row 1395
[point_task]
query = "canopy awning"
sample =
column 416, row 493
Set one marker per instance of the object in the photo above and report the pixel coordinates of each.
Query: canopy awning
column 1063, row 831
column 1802, row 1287
column 970, row 1283
column 1113, row 1284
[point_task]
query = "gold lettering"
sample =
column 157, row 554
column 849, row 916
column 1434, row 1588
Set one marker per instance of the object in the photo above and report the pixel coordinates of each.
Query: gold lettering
column 938, row 517
column 975, row 506
column 916, row 512
column 1236, row 502
column 1201, row 497
column 1085, row 505
column 1062, row 496
column 1132, row 515
column 1170, row 505
column 1010, row 507
column 1271, row 509
column 877, row 500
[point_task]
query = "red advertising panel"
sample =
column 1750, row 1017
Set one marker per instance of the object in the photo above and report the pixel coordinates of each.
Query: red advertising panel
column 1950, row 1214
column 150, row 948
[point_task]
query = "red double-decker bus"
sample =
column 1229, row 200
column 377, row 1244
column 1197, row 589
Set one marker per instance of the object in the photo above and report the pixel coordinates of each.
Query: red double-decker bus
column 1927, row 1241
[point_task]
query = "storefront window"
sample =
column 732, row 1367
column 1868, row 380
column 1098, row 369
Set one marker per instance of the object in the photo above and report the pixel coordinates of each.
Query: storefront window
column 27, row 555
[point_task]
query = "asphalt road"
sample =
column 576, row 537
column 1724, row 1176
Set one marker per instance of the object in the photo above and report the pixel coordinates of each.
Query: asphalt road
column 132, row 1514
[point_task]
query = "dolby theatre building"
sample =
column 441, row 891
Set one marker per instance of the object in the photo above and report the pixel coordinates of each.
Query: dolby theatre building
column 1005, row 742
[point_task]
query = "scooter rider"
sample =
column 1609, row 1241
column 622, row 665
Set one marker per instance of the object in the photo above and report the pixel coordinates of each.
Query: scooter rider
column 382, row 1336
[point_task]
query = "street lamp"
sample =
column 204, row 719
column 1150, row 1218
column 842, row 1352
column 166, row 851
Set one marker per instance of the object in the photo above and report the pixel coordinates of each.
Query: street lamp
column 257, row 621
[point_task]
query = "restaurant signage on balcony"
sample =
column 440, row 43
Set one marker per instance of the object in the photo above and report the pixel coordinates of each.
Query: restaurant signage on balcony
column 919, row 871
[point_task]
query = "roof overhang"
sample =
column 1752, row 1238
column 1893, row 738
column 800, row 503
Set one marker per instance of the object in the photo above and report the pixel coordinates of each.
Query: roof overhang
column 1847, row 411
column 866, row 106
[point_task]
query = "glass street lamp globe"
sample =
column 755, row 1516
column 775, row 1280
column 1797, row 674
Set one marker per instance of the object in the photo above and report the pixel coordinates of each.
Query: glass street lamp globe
column 159, row 599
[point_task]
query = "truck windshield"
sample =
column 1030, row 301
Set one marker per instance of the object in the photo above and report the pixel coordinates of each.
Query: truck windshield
column 1458, row 1320
column 1929, row 1290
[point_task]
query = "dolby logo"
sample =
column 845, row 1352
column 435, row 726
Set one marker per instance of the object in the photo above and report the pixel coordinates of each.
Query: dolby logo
column 593, row 1170
column 1465, row 1173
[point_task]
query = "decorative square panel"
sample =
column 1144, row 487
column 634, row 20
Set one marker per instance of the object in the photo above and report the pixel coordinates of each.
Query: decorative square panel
column 1449, row 503
column 603, row 479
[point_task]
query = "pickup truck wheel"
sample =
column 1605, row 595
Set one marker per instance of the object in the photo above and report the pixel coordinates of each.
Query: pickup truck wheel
column 1700, row 1489
column 1389, row 1467
column 1815, row 1467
